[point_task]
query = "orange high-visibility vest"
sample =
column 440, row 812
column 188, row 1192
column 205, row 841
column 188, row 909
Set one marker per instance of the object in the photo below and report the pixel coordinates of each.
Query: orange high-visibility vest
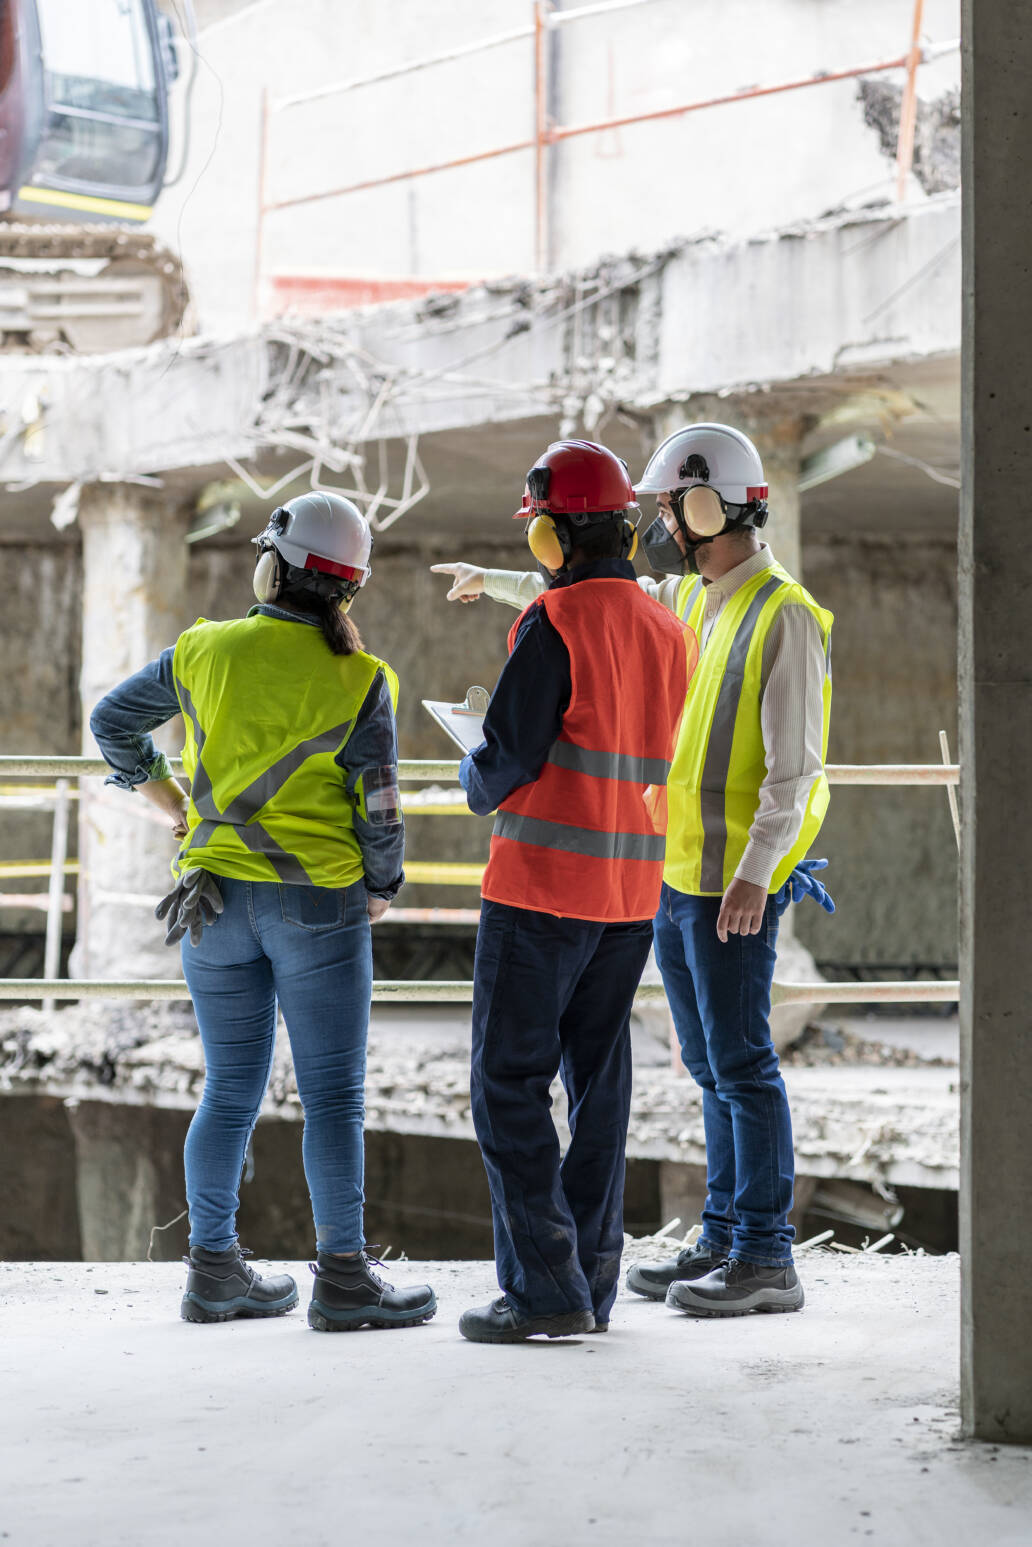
column 583, row 840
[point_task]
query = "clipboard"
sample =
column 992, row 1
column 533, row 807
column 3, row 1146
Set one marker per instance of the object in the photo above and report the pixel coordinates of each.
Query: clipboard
column 463, row 723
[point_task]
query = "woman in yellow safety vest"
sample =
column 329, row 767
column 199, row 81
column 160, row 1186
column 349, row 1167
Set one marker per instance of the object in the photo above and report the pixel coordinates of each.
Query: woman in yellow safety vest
column 292, row 843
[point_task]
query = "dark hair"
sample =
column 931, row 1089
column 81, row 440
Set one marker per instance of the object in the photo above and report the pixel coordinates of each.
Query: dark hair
column 602, row 541
column 338, row 630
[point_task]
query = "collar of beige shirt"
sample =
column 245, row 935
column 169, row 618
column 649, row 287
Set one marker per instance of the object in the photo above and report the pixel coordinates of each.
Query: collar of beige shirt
column 729, row 583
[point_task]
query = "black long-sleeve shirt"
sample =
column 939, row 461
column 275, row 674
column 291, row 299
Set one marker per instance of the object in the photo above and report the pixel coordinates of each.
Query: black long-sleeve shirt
column 527, row 706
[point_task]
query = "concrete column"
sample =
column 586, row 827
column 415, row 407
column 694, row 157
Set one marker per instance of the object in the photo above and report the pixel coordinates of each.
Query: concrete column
column 996, row 730
column 134, row 595
column 779, row 444
column 129, row 1178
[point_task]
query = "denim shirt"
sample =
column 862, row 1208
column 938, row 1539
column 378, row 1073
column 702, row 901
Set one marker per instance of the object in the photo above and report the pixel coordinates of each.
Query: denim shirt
column 123, row 720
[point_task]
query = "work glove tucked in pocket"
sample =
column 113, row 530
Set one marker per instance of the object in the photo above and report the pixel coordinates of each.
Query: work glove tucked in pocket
column 195, row 902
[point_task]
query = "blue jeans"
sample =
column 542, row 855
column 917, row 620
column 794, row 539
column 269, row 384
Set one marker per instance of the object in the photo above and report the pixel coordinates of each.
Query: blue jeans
column 720, row 998
column 309, row 948
column 554, row 995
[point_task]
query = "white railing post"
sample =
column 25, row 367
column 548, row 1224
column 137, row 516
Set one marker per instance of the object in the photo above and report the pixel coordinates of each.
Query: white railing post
column 55, row 894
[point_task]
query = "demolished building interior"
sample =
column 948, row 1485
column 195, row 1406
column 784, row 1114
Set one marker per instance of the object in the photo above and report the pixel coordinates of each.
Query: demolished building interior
column 140, row 456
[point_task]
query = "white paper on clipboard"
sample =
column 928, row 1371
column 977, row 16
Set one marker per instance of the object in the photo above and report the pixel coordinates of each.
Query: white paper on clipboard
column 464, row 722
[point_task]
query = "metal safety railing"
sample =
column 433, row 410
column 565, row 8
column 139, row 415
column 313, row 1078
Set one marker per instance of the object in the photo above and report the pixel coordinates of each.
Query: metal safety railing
column 456, row 873
column 548, row 134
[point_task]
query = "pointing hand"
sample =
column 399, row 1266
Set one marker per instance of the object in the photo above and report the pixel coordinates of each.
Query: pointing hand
column 468, row 581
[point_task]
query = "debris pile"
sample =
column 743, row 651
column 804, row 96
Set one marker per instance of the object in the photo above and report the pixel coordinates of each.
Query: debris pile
column 823, row 1046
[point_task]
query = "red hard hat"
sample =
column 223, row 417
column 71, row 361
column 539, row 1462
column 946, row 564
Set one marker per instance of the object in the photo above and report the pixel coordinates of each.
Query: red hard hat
column 576, row 477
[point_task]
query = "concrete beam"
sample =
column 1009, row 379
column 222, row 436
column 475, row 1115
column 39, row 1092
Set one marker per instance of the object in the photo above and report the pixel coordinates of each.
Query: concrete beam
column 996, row 732
column 848, row 294
column 843, row 294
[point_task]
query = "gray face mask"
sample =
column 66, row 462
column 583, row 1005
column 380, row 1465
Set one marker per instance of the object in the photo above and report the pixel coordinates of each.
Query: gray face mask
column 661, row 549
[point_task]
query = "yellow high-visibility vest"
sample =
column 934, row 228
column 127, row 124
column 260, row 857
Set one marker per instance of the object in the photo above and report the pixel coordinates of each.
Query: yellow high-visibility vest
column 713, row 791
column 267, row 709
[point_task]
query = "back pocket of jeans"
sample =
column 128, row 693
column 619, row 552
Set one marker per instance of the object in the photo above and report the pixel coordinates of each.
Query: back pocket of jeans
column 312, row 907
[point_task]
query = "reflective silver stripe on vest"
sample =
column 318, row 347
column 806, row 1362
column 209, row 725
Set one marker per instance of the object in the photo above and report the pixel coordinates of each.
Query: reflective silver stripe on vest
column 608, row 765
column 690, row 603
column 718, row 750
column 245, row 805
column 579, row 840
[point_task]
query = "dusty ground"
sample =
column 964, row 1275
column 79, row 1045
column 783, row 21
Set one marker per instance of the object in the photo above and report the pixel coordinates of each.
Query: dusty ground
column 123, row 1427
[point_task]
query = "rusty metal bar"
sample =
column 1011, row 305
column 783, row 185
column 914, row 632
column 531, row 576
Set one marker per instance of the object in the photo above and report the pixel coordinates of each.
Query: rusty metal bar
column 414, row 991
column 541, row 8
column 259, row 236
column 55, row 896
column 893, row 773
column 951, row 792
column 469, row 916
column 746, row 94
column 556, row 134
column 401, row 177
column 430, row 770
column 908, row 108
column 427, row 770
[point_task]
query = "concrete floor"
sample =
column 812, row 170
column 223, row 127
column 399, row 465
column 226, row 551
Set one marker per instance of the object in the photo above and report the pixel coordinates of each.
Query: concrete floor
column 123, row 1425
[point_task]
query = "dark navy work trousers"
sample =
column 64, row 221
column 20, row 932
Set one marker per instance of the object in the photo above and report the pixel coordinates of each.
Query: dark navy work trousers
column 553, row 995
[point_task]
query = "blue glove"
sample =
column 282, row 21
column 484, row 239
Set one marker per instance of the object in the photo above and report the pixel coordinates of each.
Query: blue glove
column 803, row 883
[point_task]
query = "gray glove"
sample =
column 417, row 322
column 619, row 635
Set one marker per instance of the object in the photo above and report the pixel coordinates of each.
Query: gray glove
column 195, row 902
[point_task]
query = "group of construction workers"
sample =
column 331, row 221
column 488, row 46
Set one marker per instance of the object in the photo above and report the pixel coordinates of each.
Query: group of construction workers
column 654, row 753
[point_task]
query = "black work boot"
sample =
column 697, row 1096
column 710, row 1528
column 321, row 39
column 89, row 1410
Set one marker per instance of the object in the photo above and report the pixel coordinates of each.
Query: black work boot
column 654, row 1279
column 501, row 1322
column 737, row 1289
column 347, row 1294
column 220, row 1286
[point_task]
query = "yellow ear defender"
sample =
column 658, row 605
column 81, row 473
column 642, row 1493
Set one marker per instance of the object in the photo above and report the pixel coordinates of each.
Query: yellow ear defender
column 545, row 542
column 703, row 511
column 552, row 547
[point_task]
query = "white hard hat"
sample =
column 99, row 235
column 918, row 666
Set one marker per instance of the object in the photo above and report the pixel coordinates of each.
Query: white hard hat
column 323, row 532
column 715, row 455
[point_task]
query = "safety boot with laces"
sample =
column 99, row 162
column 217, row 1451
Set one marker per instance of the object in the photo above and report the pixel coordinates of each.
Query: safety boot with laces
column 738, row 1288
column 501, row 1322
column 347, row 1294
column 220, row 1285
column 653, row 1279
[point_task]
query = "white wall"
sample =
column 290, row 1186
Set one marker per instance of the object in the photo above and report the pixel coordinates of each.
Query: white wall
column 739, row 169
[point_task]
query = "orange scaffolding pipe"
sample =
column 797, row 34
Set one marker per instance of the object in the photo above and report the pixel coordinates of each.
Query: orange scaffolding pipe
column 556, row 133
column 547, row 134
column 908, row 107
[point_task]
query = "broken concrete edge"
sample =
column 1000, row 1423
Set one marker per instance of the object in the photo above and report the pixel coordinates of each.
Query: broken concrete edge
column 234, row 377
column 879, row 1147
